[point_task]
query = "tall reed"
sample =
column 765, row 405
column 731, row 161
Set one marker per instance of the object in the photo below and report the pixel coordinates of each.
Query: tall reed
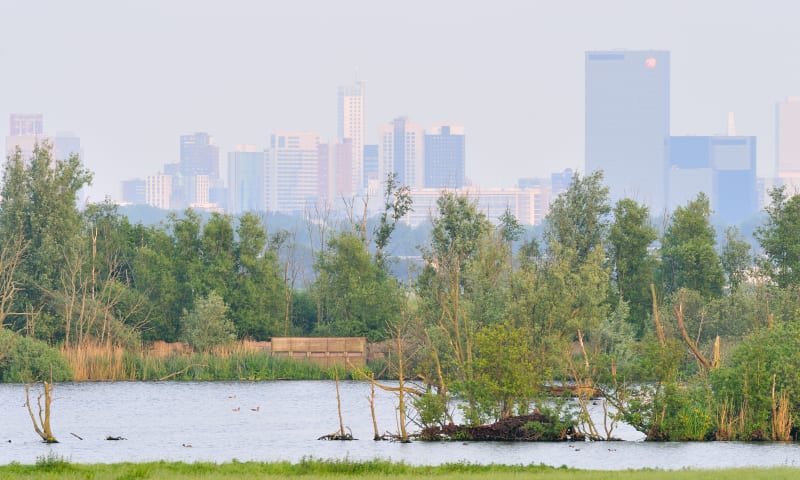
column 239, row 361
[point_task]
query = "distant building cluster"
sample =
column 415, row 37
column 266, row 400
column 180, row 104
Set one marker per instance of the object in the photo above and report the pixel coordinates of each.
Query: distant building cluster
column 298, row 171
column 627, row 136
column 26, row 130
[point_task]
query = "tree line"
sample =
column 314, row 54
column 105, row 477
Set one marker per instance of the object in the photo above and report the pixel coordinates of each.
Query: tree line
column 682, row 337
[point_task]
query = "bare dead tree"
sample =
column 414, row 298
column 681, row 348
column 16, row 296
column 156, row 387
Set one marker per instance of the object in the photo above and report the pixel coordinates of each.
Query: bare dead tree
column 42, row 424
column 10, row 258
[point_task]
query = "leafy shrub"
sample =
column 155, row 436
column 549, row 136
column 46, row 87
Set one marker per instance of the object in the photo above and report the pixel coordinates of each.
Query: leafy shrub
column 207, row 325
column 23, row 359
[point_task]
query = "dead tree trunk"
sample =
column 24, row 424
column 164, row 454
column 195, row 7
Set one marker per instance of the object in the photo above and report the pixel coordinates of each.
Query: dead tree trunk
column 42, row 426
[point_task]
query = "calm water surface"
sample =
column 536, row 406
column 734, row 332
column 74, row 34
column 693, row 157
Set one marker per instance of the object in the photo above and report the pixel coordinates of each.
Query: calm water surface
column 268, row 421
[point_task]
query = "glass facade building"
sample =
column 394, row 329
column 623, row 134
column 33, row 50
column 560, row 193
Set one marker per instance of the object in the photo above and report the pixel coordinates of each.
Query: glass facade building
column 444, row 157
column 723, row 167
column 627, row 122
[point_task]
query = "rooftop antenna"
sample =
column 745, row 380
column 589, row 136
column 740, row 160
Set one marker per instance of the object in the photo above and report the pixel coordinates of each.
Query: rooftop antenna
column 731, row 125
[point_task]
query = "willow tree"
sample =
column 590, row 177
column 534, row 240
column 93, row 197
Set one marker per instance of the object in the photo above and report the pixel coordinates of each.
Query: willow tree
column 39, row 205
column 689, row 257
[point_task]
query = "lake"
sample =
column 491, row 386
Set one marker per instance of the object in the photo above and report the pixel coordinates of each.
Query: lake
column 281, row 420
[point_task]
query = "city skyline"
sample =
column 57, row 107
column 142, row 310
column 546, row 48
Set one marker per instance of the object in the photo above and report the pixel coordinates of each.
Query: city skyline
column 511, row 73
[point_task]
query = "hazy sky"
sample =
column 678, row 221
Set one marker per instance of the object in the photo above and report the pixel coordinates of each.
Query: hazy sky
column 130, row 77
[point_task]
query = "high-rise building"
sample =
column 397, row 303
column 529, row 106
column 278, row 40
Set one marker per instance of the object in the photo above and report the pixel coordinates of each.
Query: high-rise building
column 197, row 188
column 26, row 130
column 199, row 156
column 158, row 191
column 25, row 124
column 627, row 122
column 291, row 174
column 445, row 157
column 722, row 167
column 787, row 143
column 371, row 165
column 134, row 191
column 401, row 151
column 246, row 187
column 66, row 144
column 334, row 179
column 529, row 205
column 350, row 109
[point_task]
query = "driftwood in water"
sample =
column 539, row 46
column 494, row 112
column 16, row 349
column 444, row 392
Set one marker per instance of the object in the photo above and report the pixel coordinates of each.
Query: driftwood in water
column 510, row 429
column 340, row 435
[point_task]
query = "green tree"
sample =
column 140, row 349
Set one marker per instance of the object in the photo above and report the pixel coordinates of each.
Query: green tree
column 457, row 234
column 38, row 204
column 206, row 325
column 689, row 258
column 633, row 267
column 257, row 290
column 507, row 370
column 578, row 218
column 778, row 238
column 362, row 298
column 736, row 259
column 397, row 203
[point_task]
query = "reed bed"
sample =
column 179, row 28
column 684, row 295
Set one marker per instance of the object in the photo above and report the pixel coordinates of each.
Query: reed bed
column 240, row 361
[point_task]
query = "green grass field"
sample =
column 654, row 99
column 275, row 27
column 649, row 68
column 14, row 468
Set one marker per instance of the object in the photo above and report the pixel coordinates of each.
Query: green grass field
column 55, row 468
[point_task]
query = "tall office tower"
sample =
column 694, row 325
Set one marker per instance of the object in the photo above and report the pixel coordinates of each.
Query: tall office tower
column 723, row 167
column 66, row 144
column 158, row 191
column 445, row 157
column 134, row 191
column 350, row 106
column 197, row 188
column 627, row 122
column 560, row 182
column 334, row 169
column 291, row 174
column 25, row 124
column 199, row 156
column 25, row 131
column 371, row 164
column 401, row 151
column 787, row 143
column 246, row 189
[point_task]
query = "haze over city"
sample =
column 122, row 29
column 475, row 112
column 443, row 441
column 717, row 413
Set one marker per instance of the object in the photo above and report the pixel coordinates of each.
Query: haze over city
column 130, row 78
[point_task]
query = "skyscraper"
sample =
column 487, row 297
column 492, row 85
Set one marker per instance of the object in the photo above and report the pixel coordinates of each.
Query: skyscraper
column 291, row 174
column 334, row 169
column 627, row 122
column 350, row 106
column 25, row 124
column 787, row 143
column 25, row 131
column 371, row 165
column 199, row 155
column 722, row 167
column 134, row 191
column 66, row 144
column 246, row 187
column 445, row 157
column 401, row 152
column 158, row 191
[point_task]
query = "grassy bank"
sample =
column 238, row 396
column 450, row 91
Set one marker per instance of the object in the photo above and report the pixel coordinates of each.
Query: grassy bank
column 56, row 468
column 236, row 362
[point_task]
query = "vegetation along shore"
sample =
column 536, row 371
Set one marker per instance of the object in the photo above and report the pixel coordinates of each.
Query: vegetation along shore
column 683, row 329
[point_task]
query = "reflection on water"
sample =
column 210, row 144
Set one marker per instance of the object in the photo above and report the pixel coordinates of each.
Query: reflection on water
column 268, row 421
